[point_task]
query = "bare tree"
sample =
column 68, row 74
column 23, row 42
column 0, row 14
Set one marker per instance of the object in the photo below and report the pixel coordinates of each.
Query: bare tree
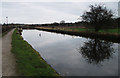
column 98, row 16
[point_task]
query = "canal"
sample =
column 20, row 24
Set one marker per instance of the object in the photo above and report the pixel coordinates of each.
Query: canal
column 75, row 55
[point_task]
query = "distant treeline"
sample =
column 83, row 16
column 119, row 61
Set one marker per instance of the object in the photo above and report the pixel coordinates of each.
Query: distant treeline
column 114, row 23
column 6, row 28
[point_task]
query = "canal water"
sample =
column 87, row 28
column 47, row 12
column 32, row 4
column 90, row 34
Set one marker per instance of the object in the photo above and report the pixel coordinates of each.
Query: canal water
column 74, row 55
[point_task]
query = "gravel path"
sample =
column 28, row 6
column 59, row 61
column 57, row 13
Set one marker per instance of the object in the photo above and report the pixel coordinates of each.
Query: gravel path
column 8, row 59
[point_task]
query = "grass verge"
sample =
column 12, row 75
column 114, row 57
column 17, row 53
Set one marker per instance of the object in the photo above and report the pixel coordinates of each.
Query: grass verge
column 109, row 31
column 29, row 61
column 101, row 31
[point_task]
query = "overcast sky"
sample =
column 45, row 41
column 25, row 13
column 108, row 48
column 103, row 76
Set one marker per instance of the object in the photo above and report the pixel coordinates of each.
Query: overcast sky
column 47, row 12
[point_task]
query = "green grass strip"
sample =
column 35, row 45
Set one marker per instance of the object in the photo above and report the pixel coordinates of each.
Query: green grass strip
column 29, row 61
column 112, row 31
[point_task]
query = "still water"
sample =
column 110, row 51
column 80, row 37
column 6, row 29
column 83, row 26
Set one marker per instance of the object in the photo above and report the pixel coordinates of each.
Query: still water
column 74, row 55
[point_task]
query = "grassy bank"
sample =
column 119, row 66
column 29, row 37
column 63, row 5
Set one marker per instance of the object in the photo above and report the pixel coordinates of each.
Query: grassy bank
column 110, row 31
column 114, row 31
column 112, row 37
column 29, row 62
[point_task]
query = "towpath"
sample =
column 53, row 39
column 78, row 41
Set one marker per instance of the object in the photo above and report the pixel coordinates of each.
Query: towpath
column 8, row 59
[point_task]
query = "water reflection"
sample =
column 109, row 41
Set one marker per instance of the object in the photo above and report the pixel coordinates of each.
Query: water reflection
column 96, row 51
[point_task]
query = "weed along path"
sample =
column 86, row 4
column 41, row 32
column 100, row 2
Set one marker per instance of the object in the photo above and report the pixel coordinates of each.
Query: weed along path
column 8, row 59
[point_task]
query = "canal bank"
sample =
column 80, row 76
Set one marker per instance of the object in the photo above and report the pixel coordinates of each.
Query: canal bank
column 87, row 34
column 29, row 62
